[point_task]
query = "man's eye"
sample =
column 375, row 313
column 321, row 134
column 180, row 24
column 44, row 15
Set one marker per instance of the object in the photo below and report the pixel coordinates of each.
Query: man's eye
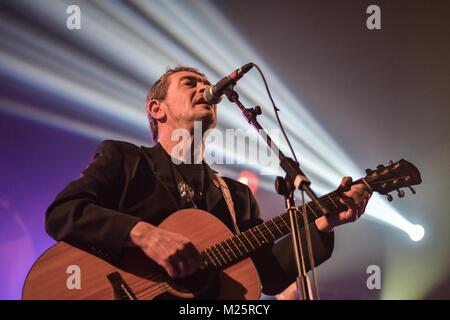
column 189, row 83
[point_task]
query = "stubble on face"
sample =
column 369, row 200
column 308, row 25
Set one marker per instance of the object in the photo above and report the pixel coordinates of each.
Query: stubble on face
column 185, row 103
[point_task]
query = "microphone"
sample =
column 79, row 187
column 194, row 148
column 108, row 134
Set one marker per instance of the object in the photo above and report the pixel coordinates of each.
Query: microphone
column 213, row 94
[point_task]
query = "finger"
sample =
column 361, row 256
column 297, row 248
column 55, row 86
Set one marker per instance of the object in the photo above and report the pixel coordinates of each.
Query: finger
column 362, row 189
column 347, row 216
column 192, row 251
column 365, row 202
column 183, row 268
column 353, row 214
column 354, row 195
column 348, row 202
column 191, row 257
column 187, row 265
column 170, row 270
column 354, row 210
column 181, row 263
column 358, row 213
column 194, row 255
column 164, row 262
column 358, row 193
column 359, row 209
column 346, row 181
column 175, row 264
column 361, row 202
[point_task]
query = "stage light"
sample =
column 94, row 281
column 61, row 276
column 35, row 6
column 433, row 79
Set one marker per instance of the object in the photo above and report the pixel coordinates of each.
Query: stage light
column 250, row 179
column 416, row 232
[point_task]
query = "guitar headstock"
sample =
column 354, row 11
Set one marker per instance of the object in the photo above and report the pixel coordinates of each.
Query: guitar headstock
column 394, row 176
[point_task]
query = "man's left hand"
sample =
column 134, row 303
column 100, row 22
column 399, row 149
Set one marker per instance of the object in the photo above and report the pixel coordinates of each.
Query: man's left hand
column 355, row 199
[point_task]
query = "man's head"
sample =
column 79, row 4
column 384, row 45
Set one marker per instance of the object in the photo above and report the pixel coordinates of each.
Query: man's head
column 176, row 101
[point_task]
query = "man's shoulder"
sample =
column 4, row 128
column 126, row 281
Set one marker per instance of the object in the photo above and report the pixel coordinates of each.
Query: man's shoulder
column 117, row 146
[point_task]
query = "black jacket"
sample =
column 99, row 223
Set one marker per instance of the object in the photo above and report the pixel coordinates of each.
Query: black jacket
column 125, row 184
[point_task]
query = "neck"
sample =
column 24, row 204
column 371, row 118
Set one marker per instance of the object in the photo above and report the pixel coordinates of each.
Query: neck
column 186, row 149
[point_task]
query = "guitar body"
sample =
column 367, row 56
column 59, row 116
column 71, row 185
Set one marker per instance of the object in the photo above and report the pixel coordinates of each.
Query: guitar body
column 65, row 272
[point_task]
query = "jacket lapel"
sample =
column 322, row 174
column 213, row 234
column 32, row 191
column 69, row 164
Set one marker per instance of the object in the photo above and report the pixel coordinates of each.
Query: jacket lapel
column 213, row 192
column 159, row 164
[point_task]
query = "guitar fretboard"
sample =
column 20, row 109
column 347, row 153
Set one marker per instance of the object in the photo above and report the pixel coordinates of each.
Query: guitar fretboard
column 238, row 247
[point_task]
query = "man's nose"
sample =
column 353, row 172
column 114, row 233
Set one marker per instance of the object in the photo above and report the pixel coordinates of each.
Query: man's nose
column 202, row 88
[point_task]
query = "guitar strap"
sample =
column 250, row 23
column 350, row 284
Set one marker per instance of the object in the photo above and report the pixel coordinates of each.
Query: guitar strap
column 227, row 196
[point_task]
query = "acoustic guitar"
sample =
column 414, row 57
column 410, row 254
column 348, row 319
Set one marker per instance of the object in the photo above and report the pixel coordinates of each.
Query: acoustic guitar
column 227, row 271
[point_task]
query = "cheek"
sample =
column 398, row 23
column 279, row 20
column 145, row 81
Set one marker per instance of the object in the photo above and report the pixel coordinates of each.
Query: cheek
column 180, row 110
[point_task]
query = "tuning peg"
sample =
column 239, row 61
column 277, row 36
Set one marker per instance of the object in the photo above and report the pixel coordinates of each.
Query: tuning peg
column 380, row 167
column 400, row 193
column 412, row 190
column 390, row 163
column 369, row 172
column 389, row 197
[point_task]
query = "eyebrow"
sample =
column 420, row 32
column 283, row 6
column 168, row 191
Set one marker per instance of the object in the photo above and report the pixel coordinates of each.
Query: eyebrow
column 198, row 79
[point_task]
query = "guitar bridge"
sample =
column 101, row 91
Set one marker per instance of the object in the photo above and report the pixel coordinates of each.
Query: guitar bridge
column 121, row 290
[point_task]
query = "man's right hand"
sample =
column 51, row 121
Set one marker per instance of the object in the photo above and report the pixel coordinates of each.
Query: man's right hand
column 175, row 253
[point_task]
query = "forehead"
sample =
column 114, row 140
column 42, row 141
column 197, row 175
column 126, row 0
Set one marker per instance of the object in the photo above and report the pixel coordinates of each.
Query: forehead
column 181, row 75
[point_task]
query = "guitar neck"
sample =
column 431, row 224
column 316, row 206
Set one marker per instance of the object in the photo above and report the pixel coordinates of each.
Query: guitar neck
column 236, row 248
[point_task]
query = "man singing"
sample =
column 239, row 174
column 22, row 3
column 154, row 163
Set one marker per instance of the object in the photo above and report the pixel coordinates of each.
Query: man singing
column 127, row 191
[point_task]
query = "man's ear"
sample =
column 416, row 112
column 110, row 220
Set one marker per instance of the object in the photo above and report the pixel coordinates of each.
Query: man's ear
column 155, row 109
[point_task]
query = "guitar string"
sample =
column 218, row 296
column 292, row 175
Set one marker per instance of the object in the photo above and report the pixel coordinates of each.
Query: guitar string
column 152, row 292
column 275, row 227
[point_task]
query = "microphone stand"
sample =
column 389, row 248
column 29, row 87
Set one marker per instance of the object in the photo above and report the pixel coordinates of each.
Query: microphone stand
column 283, row 187
column 295, row 179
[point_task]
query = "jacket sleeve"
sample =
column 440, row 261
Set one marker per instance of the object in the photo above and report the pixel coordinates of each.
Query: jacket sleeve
column 276, row 263
column 84, row 213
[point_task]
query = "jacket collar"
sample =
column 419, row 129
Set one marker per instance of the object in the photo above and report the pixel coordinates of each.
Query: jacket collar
column 213, row 192
column 159, row 164
column 158, row 161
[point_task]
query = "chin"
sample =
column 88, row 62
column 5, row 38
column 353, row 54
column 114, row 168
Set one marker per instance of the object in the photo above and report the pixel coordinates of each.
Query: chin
column 208, row 122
